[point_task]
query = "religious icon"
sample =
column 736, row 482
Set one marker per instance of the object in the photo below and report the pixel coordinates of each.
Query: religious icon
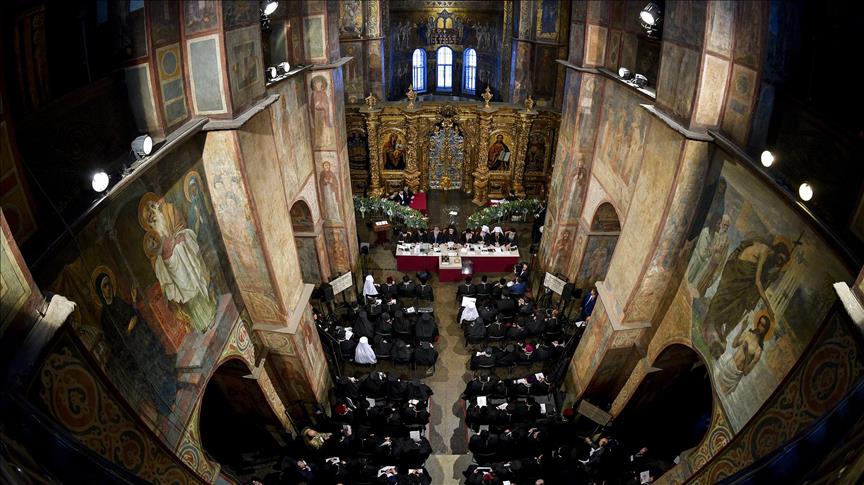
column 176, row 258
column 748, row 345
column 330, row 189
column 499, row 155
column 136, row 354
column 535, row 158
column 321, row 112
column 394, row 153
column 749, row 270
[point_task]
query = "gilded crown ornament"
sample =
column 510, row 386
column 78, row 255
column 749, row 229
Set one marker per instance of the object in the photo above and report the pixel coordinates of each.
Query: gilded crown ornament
column 411, row 95
column 371, row 101
column 487, row 96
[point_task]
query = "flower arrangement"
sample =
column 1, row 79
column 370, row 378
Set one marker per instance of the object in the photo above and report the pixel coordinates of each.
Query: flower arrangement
column 488, row 216
column 405, row 215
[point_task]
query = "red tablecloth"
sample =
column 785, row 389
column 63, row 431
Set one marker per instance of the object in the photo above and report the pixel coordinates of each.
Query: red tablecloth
column 405, row 264
column 450, row 275
column 493, row 264
column 419, row 202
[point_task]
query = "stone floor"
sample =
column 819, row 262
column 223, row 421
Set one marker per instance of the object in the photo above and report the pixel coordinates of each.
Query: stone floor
column 448, row 434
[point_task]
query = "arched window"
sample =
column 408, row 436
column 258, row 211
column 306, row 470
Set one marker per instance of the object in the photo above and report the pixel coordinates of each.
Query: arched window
column 470, row 71
column 418, row 70
column 445, row 68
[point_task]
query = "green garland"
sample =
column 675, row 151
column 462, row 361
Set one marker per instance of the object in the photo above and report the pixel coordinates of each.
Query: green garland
column 405, row 215
column 488, row 216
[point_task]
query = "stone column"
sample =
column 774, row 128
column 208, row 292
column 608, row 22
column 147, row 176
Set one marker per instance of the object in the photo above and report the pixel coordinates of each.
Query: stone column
column 481, row 170
column 412, row 166
column 371, row 115
column 526, row 118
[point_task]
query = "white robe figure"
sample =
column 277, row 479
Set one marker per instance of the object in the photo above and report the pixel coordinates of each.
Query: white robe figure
column 497, row 230
column 178, row 266
column 364, row 354
column 369, row 289
column 469, row 313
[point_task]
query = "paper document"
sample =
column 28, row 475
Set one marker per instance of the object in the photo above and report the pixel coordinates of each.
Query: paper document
column 481, row 401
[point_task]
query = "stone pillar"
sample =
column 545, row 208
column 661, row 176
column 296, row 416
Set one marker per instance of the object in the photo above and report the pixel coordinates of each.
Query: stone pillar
column 374, row 49
column 296, row 360
column 526, row 118
column 481, row 171
column 329, row 144
column 412, row 166
column 520, row 77
column 371, row 115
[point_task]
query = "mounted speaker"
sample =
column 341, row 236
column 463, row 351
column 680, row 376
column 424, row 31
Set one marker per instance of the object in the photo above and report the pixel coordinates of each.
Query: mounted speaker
column 364, row 248
column 534, row 248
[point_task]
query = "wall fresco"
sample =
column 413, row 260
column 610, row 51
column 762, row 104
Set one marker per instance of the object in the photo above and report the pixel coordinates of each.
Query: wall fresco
column 760, row 281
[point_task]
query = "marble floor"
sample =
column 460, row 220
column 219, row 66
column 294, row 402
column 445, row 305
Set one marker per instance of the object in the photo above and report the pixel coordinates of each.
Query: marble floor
column 447, row 434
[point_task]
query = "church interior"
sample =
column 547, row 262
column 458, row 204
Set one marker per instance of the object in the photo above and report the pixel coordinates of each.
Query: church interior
column 512, row 242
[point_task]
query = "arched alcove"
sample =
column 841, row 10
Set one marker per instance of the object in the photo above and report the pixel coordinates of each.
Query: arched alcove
column 238, row 428
column 671, row 409
column 599, row 246
column 304, row 239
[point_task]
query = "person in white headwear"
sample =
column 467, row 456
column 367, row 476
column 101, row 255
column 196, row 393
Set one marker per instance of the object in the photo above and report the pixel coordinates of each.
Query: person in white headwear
column 370, row 289
column 364, row 354
column 484, row 235
column 469, row 312
column 498, row 237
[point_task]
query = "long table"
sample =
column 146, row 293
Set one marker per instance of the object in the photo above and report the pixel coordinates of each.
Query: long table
column 412, row 257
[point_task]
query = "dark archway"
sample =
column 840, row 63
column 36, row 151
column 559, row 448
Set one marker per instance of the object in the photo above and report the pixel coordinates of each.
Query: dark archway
column 238, row 428
column 671, row 409
column 599, row 246
column 304, row 239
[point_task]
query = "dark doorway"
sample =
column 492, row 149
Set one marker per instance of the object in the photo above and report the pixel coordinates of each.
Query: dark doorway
column 238, row 427
column 671, row 409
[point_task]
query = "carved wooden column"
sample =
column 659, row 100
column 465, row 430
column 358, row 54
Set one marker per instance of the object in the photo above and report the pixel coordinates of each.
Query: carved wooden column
column 371, row 114
column 481, row 171
column 526, row 118
column 412, row 170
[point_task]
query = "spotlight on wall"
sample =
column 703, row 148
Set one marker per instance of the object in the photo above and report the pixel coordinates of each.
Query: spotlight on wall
column 651, row 17
column 805, row 191
column 100, row 181
column 624, row 73
column 640, row 81
column 767, row 158
column 142, row 146
column 272, row 73
column 282, row 68
column 269, row 7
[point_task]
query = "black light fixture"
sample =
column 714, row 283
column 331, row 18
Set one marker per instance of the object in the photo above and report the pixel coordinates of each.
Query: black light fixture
column 625, row 73
column 267, row 9
column 282, row 68
column 142, row 146
column 651, row 17
column 640, row 81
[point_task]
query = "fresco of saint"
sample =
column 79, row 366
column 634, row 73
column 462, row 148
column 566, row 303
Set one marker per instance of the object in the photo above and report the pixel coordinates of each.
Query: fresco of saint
column 752, row 267
column 176, row 259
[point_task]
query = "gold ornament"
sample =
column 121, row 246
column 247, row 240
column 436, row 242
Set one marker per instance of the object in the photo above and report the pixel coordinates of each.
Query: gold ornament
column 487, row 96
column 371, row 101
column 411, row 95
column 529, row 103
